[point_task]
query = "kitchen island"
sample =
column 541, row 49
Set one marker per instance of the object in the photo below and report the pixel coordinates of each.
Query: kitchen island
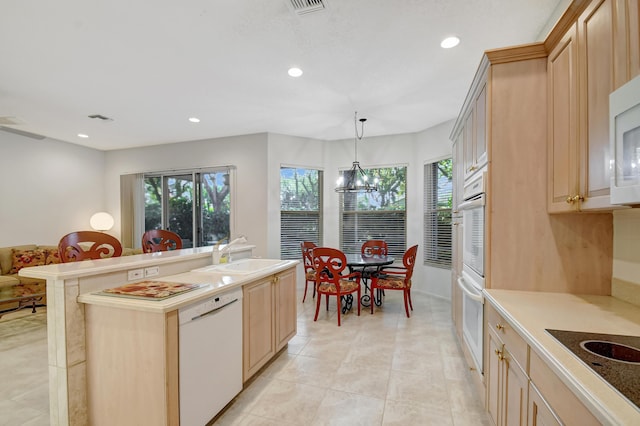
column 571, row 391
column 66, row 314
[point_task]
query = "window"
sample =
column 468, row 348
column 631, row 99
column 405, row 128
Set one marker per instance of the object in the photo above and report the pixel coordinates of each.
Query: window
column 194, row 204
column 438, row 190
column 377, row 215
column 300, row 209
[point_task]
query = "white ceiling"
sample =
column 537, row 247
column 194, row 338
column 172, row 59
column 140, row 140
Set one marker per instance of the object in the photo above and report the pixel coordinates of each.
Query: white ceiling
column 151, row 64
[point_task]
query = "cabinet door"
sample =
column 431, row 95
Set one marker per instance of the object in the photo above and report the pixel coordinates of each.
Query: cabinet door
column 539, row 412
column 516, row 388
column 469, row 150
column 562, row 125
column 258, row 327
column 596, row 73
column 285, row 307
column 480, row 127
column 493, row 376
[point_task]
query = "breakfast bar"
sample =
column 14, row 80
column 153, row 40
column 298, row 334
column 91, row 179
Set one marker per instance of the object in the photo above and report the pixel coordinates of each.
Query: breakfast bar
column 71, row 287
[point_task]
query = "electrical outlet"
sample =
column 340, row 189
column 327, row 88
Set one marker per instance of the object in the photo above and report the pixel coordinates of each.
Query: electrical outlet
column 135, row 274
column 151, row 271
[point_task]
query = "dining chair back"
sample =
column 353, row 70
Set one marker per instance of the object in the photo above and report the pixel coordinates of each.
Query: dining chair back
column 309, row 271
column 330, row 264
column 397, row 278
column 85, row 245
column 156, row 240
column 374, row 248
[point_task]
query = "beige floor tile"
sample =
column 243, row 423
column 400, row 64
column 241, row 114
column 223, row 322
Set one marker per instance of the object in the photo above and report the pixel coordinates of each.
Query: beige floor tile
column 408, row 413
column 362, row 379
column 288, row 402
column 424, row 388
column 349, row 409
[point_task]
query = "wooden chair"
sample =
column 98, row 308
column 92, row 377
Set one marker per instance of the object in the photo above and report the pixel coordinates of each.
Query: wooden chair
column 329, row 264
column 86, row 245
column 374, row 248
column 397, row 278
column 156, row 240
column 309, row 271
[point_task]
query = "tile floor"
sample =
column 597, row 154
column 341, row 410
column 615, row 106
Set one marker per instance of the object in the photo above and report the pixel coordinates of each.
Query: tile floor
column 381, row 369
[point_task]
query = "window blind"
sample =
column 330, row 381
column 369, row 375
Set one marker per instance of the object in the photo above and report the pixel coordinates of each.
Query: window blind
column 438, row 191
column 300, row 209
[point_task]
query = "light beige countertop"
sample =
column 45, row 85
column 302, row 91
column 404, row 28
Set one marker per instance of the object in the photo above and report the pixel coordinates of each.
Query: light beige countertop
column 212, row 280
column 530, row 313
column 62, row 271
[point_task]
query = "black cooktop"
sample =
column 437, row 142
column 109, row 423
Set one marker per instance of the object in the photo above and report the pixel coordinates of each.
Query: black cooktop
column 613, row 357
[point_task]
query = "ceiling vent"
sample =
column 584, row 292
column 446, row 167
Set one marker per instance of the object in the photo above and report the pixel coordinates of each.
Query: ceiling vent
column 100, row 117
column 302, row 7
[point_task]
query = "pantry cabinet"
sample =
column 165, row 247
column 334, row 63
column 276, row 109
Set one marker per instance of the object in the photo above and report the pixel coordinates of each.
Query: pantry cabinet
column 269, row 319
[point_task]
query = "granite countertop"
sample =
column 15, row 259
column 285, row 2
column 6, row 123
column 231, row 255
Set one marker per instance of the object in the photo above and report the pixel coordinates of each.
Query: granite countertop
column 531, row 313
column 211, row 281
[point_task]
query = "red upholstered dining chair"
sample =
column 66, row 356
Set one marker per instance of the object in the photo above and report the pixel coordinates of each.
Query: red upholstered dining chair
column 86, row 245
column 156, row 240
column 329, row 264
column 309, row 271
column 374, row 248
column 397, row 278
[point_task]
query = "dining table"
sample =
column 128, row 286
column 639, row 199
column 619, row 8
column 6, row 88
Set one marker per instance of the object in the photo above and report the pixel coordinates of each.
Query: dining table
column 367, row 265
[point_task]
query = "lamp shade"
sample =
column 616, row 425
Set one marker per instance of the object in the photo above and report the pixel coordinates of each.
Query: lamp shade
column 101, row 221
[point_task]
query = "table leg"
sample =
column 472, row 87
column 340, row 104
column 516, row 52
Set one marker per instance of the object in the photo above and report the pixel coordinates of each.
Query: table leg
column 347, row 303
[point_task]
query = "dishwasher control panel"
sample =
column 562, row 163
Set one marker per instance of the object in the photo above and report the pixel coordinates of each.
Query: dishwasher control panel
column 203, row 307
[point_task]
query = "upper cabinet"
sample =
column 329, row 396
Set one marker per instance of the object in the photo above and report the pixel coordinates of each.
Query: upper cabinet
column 592, row 59
column 475, row 129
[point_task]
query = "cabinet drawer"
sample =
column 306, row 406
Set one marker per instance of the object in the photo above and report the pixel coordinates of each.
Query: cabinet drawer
column 516, row 346
column 564, row 403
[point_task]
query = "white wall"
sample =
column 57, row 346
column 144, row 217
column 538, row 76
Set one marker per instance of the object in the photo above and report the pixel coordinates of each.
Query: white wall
column 49, row 188
column 247, row 153
column 432, row 145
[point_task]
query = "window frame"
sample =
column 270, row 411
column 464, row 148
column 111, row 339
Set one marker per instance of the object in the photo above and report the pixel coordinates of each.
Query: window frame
column 437, row 240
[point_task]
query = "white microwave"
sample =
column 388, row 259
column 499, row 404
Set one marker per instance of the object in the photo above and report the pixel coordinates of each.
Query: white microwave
column 624, row 128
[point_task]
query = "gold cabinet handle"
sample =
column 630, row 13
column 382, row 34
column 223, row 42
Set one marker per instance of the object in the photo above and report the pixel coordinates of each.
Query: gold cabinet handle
column 499, row 354
column 500, row 326
column 472, row 168
column 571, row 200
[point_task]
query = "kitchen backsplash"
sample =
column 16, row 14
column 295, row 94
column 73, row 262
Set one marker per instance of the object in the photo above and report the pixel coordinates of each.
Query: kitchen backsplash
column 625, row 282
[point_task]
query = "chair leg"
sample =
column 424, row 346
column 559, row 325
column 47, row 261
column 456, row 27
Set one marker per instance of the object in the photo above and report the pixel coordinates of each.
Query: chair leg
column 306, row 284
column 358, row 301
column 338, row 307
column 409, row 293
column 327, row 296
column 317, row 308
column 372, row 300
column 406, row 304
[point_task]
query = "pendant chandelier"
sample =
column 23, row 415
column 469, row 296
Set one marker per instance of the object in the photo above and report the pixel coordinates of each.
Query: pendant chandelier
column 355, row 179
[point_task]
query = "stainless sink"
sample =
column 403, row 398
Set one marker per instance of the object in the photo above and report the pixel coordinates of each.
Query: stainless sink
column 243, row 266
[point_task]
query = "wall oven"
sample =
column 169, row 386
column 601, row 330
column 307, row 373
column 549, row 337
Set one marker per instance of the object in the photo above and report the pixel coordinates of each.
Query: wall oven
column 471, row 281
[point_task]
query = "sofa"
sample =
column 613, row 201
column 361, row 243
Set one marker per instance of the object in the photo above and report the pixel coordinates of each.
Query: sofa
column 14, row 258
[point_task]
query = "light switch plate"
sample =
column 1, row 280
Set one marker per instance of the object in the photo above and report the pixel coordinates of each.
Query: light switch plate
column 151, row 271
column 135, row 274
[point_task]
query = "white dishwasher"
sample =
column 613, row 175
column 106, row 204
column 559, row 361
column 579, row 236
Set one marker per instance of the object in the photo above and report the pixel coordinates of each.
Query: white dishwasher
column 210, row 336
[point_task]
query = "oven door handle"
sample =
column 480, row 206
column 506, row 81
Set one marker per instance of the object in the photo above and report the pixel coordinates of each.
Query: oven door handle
column 476, row 201
column 473, row 295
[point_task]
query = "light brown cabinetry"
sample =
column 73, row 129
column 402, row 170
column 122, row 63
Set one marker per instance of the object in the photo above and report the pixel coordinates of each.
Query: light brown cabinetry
column 269, row 319
column 132, row 366
column 475, row 129
column 456, row 235
column 506, row 380
column 520, row 388
column 585, row 66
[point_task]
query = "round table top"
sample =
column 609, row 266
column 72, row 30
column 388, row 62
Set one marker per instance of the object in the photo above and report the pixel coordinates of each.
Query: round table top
column 357, row 259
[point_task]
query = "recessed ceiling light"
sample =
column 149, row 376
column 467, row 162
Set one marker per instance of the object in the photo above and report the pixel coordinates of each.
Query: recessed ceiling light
column 450, row 42
column 194, row 119
column 82, row 135
column 295, row 72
